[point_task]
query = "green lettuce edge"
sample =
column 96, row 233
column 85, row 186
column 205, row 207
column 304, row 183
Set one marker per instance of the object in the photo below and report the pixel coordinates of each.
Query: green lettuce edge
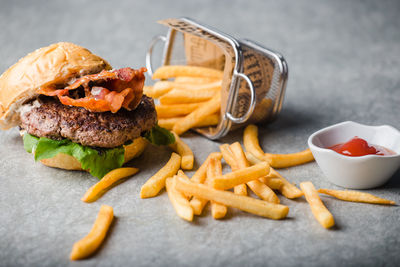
column 98, row 161
column 159, row 136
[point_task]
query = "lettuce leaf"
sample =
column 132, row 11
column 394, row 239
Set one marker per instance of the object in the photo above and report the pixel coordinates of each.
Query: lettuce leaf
column 159, row 136
column 30, row 143
column 97, row 161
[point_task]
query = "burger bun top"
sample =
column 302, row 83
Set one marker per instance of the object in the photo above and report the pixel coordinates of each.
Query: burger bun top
column 56, row 64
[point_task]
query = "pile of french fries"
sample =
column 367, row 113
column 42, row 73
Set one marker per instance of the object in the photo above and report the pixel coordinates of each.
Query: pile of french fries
column 254, row 170
column 192, row 99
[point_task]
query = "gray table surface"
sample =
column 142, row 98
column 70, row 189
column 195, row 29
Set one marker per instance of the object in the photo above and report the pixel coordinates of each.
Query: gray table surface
column 344, row 60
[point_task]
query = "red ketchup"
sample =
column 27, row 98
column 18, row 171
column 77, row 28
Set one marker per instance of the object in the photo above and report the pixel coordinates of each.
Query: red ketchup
column 358, row 147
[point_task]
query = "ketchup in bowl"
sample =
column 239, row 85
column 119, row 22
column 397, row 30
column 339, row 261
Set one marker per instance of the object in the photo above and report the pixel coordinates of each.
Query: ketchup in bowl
column 358, row 147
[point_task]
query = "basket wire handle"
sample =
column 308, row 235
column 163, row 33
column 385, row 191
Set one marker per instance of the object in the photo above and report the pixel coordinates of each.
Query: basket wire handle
column 247, row 115
column 149, row 53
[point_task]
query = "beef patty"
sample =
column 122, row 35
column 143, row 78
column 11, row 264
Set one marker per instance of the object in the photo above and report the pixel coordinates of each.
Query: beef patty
column 98, row 129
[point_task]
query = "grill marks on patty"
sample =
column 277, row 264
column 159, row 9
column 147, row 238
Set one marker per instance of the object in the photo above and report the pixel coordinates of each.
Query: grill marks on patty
column 98, row 129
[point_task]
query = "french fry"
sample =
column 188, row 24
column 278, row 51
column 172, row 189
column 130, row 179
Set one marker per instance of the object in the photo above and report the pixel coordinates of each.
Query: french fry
column 356, row 196
column 263, row 191
column 179, row 201
column 110, row 179
column 160, row 88
column 259, row 188
column 178, row 96
column 135, row 148
column 190, row 86
column 200, row 176
column 180, row 173
column 194, row 80
column 250, row 142
column 248, row 204
column 184, row 150
column 252, row 159
column 206, row 109
column 289, row 160
column 218, row 211
column 172, row 71
column 89, row 244
column 201, row 173
column 168, row 123
column 320, row 212
column 287, row 189
column 241, row 176
column 157, row 181
column 214, row 169
column 230, row 159
column 197, row 204
column 239, row 155
column 148, row 90
column 176, row 110
column 210, row 120
column 240, row 189
column 273, row 183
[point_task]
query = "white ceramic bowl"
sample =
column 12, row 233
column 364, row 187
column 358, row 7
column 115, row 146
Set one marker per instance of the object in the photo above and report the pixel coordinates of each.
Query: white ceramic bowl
column 356, row 172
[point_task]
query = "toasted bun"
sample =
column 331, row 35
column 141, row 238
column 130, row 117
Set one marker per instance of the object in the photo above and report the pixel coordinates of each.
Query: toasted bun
column 67, row 162
column 51, row 65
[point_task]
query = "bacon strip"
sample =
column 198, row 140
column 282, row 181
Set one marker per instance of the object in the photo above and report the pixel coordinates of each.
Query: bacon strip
column 89, row 103
column 113, row 90
column 129, row 78
column 101, row 92
column 107, row 101
column 50, row 91
column 98, row 77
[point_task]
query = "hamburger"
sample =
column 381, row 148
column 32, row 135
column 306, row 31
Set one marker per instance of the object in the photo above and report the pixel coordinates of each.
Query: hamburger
column 75, row 112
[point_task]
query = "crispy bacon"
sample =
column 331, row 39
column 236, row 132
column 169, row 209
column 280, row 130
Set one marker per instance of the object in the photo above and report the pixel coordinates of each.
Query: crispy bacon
column 126, row 77
column 102, row 76
column 105, row 101
column 129, row 78
column 50, row 91
column 110, row 90
column 128, row 99
column 99, row 92
column 89, row 103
